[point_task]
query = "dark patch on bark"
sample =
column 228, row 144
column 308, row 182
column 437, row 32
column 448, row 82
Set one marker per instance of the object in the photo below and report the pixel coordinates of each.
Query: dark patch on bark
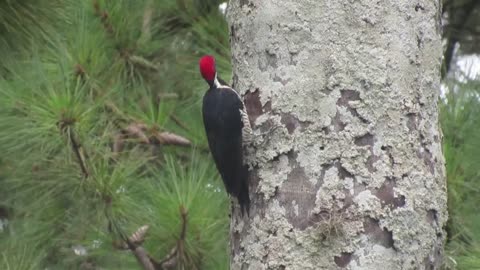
column 342, row 172
column 326, row 130
column 234, row 81
column 390, row 157
column 277, row 78
column 357, row 188
column 427, row 158
column 246, row 3
column 371, row 161
column 233, row 36
column 343, row 260
column 435, row 259
column 422, row 152
column 276, row 158
column 292, row 156
column 293, row 61
column 366, row 85
column 290, row 122
column 347, row 96
column 432, row 217
column 429, row 264
column 298, row 188
column 419, row 41
column 253, row 105
column 257, row 200
column 267, row 107
column 325, row 168
column 387, row 197
column 271, row 60
column 367, row 139
column 262, row 65
column 379, row 236
column 412, row 121
column 355, row 113
column 235, row 239
column 351, row 95
column 419, row 7
column 388, row 150
column 327, row 90
column 338, row 125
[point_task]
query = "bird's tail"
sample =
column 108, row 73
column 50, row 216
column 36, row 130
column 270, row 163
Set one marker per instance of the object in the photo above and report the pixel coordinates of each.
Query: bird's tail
column 243, row 195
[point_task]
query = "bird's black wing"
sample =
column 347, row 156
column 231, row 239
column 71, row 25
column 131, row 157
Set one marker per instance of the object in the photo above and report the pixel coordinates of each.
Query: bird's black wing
column 223, row 125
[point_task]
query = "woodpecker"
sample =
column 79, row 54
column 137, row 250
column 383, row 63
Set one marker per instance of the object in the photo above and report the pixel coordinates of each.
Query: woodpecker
column 227, row 128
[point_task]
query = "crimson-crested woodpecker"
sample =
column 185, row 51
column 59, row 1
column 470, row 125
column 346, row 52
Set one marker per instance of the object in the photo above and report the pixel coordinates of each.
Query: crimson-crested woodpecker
column 227, row 127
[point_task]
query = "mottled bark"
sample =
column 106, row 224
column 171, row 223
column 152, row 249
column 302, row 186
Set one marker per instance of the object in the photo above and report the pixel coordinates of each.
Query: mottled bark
column 347, row 167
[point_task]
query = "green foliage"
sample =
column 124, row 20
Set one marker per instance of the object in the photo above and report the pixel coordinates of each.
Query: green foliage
column 85, row 98
column 460, row 118
column 24, row 22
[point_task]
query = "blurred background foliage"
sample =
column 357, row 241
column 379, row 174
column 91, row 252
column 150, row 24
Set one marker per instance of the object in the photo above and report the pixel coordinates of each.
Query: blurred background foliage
column 460, row 121
column 461, row 30
column 101, row 134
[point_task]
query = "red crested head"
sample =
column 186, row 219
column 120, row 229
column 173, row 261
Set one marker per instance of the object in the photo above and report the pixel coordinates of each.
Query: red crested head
column 207, row 68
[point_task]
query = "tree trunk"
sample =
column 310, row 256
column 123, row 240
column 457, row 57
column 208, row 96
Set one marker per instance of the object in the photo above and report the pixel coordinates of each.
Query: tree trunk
column 347, row 166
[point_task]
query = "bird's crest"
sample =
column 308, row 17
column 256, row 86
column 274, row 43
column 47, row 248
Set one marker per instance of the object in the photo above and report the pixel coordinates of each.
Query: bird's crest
column 207, row 68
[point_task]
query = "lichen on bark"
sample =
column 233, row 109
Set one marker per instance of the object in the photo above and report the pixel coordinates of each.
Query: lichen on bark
column 347, row 169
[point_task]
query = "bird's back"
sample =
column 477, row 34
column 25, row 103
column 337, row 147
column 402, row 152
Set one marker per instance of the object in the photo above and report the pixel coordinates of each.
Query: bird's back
column 223, row 126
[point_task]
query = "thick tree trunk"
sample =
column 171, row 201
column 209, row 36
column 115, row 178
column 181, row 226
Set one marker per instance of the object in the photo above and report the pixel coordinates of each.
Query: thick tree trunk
column 347, row 165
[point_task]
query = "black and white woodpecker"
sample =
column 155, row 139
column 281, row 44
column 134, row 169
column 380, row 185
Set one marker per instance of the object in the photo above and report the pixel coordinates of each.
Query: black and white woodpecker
column 227, row 127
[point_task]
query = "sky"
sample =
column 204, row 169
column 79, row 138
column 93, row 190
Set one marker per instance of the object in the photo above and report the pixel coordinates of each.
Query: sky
column 469, row 65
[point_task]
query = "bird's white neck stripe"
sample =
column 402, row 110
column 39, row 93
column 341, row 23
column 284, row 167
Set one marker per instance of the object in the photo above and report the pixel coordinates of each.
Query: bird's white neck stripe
column 216, row 83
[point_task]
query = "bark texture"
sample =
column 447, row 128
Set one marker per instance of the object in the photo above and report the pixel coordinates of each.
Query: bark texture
column 347, row 167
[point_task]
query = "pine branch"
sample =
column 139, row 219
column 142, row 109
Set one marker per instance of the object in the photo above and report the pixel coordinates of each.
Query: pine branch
column 138, row 131
column 147, row 21
column 140, row 253
column 178, row 252
column 170, row 261
column 183, row 214
column 142, row 62
column 162, row 96
column 141, row 132
column 135, row 241
column 143, row 258
column 168, row 138
column 65, row 125
column 179, row 122
column 76, row 147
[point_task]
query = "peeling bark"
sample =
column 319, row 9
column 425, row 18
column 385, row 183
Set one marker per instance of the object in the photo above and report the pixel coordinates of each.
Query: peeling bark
column 347, row 169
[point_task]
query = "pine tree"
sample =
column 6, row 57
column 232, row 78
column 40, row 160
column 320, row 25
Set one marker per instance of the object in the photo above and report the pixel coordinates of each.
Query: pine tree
column 104, row 161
